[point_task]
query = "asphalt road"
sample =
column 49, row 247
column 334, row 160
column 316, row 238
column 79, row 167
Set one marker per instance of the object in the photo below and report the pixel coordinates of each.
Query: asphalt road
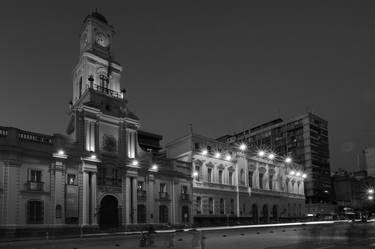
column 328, row 236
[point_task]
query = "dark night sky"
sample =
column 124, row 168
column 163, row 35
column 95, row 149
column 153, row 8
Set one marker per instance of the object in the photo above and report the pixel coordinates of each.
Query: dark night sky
column 221, row 66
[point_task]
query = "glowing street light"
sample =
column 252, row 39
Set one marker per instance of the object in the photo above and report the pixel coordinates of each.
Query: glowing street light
column 61, row 153
column 370, row 191
column 195, row 174
column 271, row 156
column 228, row 157
column 135, row 162
column 243, row 147
column 370, row 197
column 304, row 176
column 204, row 152
column 288, row 160
column 93, row 156
column 292, row 173
column 217, row 155
column 261, row 153
column 298, row 174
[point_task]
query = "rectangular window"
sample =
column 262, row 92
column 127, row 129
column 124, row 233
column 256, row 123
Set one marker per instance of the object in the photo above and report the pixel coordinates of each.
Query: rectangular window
column 199, row 205
column 131, row 143
column 140, row 186
column 209, row 175
column 163, row 188
column 230, row 178
column 220, row 176
column 34, row 212
column 210, row 206
column 184, row 189
column 250, row 179
column 222, row 205
column 72, row 179
column 198, row 170
column 261, row 180
column 35, row 175
column 232, row 206
column 270, row 181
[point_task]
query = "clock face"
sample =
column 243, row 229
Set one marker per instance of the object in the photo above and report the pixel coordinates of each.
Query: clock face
column 101, row 39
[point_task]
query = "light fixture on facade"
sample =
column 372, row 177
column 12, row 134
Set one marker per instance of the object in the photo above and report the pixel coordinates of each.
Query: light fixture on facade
column 370, row 191
column 204, row 152
column 292, row 173
column 154, row 167
column 304, row 176
column 298, row 174
column 370, row 197
column 217, row 155
column 288, row 159
column 61, row 153
column 93, row 156
column 261, row 153
column 135, row 162
column 243, row 147
column 195, row 173
column 228, row 157
column 271, row 156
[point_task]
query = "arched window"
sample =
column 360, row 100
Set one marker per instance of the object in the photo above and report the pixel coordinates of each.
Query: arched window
column 163, row 214
column 58, row 211
column 261, row 180
column 35, row 212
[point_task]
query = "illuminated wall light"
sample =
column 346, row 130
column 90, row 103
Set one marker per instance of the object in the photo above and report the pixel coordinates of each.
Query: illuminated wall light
column 298, row 174
column 154, row 167
column 195, row 173
column 217, row 155
column 292, row 173
column 228, row 158
column 304, row 176
column 288, row 160
column 61, row 153
column 243, row 147
column 134, row 162
column 370, row 197
column 93, row 156
column 271, row 156
column 261, row 153
column 370, row 191
column 204, row 152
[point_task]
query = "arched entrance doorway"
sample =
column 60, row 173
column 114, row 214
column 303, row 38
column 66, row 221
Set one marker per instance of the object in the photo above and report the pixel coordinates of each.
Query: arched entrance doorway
column 265, row 214
column 254, row 210
column 185, row 214
column 108, row 213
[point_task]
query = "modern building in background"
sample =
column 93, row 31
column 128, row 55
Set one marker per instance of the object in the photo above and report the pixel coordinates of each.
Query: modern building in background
column 367, row 161
column 305, row 139
column 231, row 184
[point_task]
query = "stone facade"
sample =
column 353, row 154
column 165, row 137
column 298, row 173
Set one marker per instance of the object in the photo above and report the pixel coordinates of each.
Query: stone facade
column 237, row 185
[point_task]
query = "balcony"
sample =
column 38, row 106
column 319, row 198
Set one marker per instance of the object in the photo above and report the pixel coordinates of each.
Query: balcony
column 34, row 186
column 184, row 197
column 163, row 196
column 141, row 194
column 107, row 91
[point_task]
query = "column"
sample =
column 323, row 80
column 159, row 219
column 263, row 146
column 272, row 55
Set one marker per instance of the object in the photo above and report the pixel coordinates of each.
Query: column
column 127, row 201
column 151, row 207
column 135, row 200
column 94, row 210
column 85, row 199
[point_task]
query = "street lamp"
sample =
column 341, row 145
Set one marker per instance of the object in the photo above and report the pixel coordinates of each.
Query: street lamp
column 243, row 147
column 204, row 152
column 195, row 174
column 271, row 156
column 288, row 160
column 135, row 162
column 228, row 157
column 261, row 153
column 154, row 167
column 370, row 197
column 292, row 173
column 304, row 176
column 217, row 155
column 370, row 191
column 61, row 153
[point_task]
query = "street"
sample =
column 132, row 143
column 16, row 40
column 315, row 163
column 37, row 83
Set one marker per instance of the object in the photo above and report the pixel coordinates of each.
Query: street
column 328, row 236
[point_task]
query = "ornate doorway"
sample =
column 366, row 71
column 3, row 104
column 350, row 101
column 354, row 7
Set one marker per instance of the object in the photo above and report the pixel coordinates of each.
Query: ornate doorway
column 108, row 214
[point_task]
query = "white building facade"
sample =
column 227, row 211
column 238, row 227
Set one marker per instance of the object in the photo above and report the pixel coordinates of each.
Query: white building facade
column 231, row 185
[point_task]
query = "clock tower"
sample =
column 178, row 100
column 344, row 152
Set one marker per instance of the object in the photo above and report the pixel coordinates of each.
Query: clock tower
column 102, row 127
